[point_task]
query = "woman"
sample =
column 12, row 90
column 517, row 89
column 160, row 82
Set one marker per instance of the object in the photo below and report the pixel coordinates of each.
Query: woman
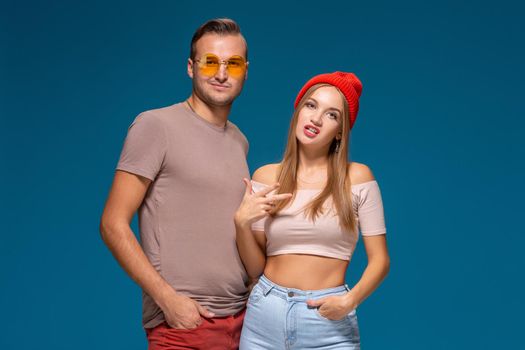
column 298, row 224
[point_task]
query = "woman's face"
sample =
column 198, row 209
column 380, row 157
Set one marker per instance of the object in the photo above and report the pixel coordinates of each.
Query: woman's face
column 319, row 120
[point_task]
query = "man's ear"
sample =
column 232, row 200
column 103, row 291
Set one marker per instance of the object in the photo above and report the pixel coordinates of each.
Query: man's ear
column 190, row 68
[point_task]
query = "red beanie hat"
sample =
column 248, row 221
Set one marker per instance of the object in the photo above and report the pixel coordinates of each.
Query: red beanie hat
column 349, row 85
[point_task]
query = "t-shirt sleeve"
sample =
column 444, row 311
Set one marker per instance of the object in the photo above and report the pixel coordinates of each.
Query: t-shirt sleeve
column 258, row 225
column 370, row 210
column 144, row 148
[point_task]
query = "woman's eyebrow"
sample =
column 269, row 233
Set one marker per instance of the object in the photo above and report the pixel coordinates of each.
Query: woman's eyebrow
column 336, row 109
column 331, row 108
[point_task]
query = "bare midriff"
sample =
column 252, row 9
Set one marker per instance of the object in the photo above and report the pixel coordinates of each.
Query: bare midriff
column 306, row 272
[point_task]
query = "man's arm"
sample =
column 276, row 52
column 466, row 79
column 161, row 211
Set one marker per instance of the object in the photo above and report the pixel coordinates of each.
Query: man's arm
column 126, row 195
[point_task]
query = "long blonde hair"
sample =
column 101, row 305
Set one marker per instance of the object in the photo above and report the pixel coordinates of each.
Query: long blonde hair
column 338, row 184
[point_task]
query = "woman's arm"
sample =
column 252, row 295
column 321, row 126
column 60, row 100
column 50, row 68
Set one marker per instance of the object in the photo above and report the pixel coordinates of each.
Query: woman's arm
column 252, row 249
column 372, row 221
column 255, row 206
column 376, row 270
column 336, row 307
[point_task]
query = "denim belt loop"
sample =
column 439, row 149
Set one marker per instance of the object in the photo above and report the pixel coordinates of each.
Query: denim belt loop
column 266, row 288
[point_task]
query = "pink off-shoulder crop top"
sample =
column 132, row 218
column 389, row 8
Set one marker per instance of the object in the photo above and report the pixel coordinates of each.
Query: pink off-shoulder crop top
column 291, row 232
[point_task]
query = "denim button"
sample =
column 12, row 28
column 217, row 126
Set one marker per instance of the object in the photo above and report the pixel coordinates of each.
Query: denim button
column 291, row 294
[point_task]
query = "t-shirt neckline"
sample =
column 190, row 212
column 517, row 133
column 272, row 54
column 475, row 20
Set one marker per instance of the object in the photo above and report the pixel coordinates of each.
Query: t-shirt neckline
column 202, row 120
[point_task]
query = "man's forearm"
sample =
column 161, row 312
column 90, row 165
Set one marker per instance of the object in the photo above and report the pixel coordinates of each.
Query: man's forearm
column 126, row 249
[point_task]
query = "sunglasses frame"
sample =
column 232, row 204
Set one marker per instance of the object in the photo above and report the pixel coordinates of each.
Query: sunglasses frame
column 202, row 65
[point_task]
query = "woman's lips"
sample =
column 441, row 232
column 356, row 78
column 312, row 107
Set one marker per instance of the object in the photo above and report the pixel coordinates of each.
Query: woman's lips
column 311, row 131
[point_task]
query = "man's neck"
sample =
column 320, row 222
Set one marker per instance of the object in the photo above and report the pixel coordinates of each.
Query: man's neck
column 213, row 114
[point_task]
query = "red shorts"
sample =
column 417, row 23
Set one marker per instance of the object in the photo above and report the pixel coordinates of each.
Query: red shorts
column 220, row 333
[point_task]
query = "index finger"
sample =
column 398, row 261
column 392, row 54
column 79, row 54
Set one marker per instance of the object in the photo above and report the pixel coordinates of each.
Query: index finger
column 267, row 190
column 279, row 197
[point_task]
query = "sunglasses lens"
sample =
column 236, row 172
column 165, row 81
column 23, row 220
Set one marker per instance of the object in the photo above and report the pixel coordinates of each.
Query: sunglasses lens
column 209, row 65
column 236, row 66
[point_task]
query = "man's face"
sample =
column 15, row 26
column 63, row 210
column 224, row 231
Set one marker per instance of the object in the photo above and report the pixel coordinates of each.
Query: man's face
column 221, row 88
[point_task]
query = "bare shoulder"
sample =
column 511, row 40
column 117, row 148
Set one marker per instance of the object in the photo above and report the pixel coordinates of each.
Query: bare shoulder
column 359, row 173
column 267, row 174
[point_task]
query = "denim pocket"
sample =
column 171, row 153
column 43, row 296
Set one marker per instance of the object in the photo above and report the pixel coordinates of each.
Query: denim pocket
column 255, row 295
column 344, row 320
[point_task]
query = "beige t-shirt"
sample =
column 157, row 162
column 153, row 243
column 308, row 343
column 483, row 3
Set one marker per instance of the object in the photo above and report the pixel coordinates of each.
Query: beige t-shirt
column 186, row 218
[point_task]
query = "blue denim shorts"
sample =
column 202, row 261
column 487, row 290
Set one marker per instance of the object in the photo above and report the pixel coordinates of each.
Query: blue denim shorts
column 279, row 318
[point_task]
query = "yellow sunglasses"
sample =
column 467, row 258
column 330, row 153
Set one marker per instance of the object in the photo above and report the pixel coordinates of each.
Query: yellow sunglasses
column 209, row 65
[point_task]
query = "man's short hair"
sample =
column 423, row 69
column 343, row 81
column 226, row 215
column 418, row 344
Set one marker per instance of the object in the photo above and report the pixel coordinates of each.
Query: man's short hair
column 221, row 26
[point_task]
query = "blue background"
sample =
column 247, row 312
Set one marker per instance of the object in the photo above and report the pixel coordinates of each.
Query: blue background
column 440, row 125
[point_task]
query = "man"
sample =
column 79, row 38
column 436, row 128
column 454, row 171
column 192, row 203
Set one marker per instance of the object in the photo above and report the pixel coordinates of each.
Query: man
column 182, row 168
